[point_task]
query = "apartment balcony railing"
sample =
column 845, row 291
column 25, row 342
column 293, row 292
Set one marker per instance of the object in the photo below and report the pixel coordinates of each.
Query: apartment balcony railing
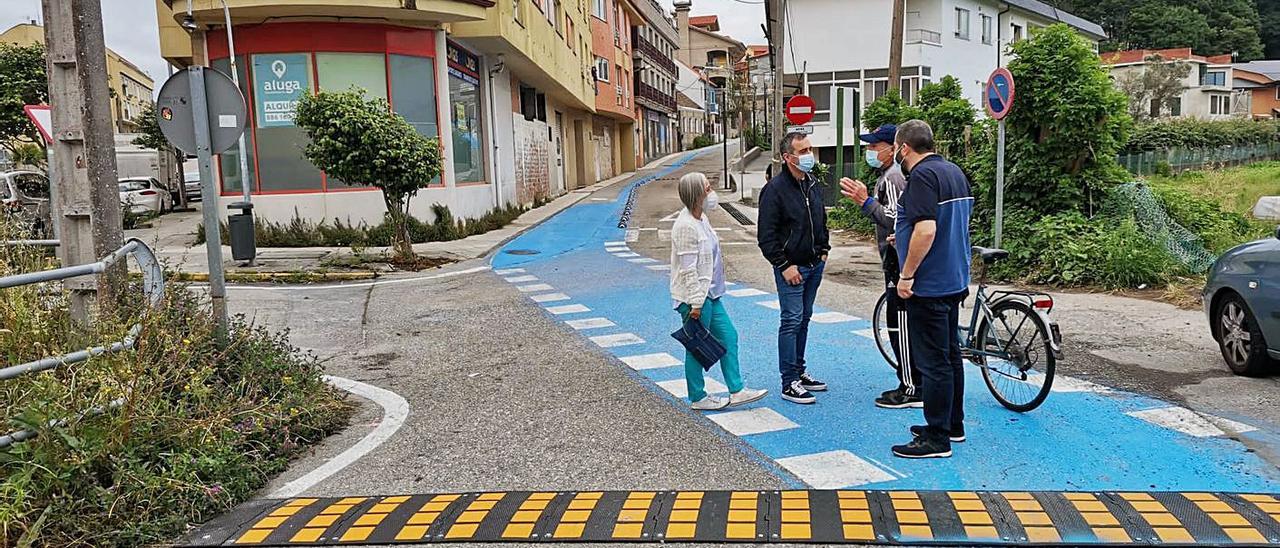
column 655, row 97
column 924, row 36
column 654, row 55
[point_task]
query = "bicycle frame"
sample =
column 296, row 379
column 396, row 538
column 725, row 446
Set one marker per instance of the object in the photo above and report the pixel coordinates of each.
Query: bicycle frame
column 1040, row 303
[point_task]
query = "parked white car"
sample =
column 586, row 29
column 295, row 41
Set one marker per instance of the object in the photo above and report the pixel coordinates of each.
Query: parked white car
column 144, row 195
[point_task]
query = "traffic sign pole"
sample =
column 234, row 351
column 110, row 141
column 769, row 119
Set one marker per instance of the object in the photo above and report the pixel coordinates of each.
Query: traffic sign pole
column 839, row 134
column 209, row 195
column 999, row 183
column 999, row 100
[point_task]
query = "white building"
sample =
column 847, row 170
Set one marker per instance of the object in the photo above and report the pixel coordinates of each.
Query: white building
column 698, row 105
column 1207, row 90
column 846, row 43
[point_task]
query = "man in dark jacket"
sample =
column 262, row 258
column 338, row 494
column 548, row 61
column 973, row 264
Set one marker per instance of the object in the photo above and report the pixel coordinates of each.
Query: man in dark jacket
column 792, row 233
column 883, row 210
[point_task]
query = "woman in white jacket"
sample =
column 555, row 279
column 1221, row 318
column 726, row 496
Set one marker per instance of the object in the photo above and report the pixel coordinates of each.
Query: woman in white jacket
column 697, row 283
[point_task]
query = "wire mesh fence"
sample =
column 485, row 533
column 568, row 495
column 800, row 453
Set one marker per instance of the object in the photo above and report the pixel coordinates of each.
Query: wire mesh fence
column 1179, row 159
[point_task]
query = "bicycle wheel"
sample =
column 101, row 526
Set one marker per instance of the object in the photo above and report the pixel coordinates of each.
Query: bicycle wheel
column 883, row 333
column 1019, row 359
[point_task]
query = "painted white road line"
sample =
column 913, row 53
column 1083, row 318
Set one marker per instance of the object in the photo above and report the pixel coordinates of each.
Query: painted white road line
column 664, row 235
column 745, row 292
column 567, row 309
column 616, row 340
column 626, row 255
column 642, row 260
column 452, row 274
column 617, row 249
column 659, row 267
column 590, row 323
column 868, row 333
column 549, row 297
column 1067, row 384
column 394, row 411
column 1230, row 425
column 729, row 284
column 633, row 235
column 679, row 389
column 651, row 361
column 615, row 243
column 774, row 304
column 833, row 317
column 752, row 421
column 1180, row 419
column 521, row 279
column 599, row 199
column 834, row 470
column 650, row 229
column 533, row 288
column 509, row 271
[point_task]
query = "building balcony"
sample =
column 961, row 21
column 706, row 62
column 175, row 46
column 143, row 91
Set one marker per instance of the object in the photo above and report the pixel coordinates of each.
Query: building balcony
column 654, row 98
column 923, row 36
column 642, row 49
column 394, row 11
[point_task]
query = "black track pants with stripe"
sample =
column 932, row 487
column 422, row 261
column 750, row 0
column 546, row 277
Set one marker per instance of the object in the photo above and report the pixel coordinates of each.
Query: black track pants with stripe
column 896, row 321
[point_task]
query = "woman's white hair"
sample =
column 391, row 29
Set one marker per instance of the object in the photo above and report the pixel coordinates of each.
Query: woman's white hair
column 692, row 189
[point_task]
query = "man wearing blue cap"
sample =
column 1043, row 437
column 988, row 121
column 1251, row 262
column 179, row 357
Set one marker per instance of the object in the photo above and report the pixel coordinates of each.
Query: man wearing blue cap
column 883, row 209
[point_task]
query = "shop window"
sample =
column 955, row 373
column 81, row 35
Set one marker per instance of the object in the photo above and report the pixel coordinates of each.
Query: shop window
column 279, row 81
column 413, row 94
column 229, row 160
column 465, row 116
column 344, row 71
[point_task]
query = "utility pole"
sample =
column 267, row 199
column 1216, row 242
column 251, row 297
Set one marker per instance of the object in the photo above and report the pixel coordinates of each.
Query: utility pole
column 895, row 45
column 774, row 14
column 83, row 169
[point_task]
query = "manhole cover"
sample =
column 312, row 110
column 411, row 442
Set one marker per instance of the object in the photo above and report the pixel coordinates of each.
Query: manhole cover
column 522, row 252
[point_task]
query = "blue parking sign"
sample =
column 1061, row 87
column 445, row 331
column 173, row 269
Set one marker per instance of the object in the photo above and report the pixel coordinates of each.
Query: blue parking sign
column 999, row 93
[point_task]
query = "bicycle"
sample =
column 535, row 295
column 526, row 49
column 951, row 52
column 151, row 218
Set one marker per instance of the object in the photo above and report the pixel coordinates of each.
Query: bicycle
column 1017, row 366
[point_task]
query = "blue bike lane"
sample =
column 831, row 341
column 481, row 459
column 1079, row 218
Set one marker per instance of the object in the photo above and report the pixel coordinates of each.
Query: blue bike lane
column 578, row 268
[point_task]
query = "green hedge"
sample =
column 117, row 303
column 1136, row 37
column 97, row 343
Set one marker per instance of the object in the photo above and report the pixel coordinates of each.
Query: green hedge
column 1193, row 133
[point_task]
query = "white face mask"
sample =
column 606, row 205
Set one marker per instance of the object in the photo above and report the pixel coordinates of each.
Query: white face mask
column 711, row 202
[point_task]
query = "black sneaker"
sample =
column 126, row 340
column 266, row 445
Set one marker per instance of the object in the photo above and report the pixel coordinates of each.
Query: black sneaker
column 899, row 399
column 796, row 393
column 812, row 384
column 923, row 448
column 957, row 433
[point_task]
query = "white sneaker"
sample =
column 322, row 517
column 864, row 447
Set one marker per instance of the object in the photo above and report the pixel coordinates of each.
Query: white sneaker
column 746, row 395
column 709, row 403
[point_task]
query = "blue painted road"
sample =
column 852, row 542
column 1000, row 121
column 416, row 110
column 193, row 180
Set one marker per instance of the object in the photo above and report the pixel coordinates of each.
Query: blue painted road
column 1085, row 436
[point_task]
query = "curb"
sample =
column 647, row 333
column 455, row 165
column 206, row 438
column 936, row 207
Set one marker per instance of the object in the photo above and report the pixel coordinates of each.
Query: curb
column 301, row 276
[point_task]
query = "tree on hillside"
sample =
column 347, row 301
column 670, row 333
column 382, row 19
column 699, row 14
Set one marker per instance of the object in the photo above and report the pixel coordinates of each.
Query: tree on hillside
column 362, row 142
column 1156, row 26
column 22, row 82
column 1065, row 130
column 1269, row 23
column 1235, row 27
column 1153, row 88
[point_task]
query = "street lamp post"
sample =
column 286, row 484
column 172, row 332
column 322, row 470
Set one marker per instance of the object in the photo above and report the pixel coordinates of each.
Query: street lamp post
column 235, row 77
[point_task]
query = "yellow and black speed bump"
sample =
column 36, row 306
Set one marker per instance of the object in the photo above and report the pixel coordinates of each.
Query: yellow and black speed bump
column 862, row 517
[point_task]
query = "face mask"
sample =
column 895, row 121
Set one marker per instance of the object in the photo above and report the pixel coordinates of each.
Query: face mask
column 711, row 202
column 806, row 162
column 898, row 159
column 873, row 159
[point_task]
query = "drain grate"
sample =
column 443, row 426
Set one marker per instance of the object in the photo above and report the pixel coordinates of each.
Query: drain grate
column 733, row 212
column 522, row 252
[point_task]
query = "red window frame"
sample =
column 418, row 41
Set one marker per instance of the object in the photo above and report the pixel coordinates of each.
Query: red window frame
column 313, row 38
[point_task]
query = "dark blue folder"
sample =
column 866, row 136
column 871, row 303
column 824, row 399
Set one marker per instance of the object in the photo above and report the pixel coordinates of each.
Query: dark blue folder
column 699, row 342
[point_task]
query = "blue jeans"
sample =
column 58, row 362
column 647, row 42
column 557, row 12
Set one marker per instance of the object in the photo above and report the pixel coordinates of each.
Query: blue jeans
column 797, row 308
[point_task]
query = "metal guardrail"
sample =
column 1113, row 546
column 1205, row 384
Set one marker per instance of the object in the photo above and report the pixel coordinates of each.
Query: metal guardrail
column 152, row 288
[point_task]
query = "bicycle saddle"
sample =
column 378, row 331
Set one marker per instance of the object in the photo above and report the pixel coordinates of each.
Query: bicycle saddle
column 990, row 255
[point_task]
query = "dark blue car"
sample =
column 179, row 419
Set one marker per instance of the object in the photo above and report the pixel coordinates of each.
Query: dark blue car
column 1242, row 300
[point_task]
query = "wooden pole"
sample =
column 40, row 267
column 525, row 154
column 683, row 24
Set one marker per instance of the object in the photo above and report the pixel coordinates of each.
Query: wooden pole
column 895, row 45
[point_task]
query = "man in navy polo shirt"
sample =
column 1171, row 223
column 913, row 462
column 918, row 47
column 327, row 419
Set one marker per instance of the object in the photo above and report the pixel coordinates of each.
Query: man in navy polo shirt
column 932, row 232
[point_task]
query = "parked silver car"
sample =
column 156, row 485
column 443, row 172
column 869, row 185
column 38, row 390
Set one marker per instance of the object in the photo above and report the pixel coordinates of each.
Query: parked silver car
column 144, row 195
column 25, row 195
column 1242, row 301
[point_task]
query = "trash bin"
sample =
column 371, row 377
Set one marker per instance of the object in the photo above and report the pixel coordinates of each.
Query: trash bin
column 240, row 225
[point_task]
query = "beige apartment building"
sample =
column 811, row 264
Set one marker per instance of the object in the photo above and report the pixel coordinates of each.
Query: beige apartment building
column 131, row 87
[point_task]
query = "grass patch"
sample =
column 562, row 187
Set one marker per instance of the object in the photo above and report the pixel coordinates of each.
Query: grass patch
column 1235, row 189
column 208, row 416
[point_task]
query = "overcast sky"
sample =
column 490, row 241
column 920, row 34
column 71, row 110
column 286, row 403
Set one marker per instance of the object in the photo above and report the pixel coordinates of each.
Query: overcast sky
column 129, row 25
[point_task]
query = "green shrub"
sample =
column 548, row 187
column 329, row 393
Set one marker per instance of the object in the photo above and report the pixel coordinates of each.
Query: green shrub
column 848, row 216
column 702, row 141
column 208, row 417
column 1195, row 133
column 890, row 108
column 1219, row 230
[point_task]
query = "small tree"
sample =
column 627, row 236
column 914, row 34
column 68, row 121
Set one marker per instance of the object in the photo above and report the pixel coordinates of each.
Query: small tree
column 1152, row 88
column 362, row 142
column 947, row 112
column 890, row 108
column 22, row 82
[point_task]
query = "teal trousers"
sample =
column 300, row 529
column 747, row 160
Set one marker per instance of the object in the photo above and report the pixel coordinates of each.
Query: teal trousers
column 716, row 319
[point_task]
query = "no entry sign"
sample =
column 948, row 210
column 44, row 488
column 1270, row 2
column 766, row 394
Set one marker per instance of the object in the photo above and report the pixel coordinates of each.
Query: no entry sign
column 800, row 109
column 999, row 93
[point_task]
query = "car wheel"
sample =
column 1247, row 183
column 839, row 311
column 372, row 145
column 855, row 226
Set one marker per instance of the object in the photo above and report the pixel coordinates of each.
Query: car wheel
column 1240, row 338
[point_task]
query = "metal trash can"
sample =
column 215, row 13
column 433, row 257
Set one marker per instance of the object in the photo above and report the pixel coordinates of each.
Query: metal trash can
column 240, row 226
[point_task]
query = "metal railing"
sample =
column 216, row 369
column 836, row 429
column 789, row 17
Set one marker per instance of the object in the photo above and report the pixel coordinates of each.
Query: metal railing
column 152, row 288
column 1179, row 159
column 650, row 52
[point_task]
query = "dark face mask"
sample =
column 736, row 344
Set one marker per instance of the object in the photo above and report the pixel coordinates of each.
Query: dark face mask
column 901, row 161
